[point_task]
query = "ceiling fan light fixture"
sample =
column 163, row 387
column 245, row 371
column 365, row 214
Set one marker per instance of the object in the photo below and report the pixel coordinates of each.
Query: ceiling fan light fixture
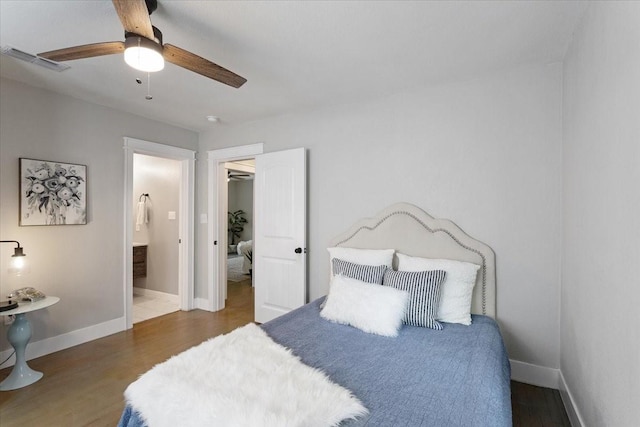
column 143, row 54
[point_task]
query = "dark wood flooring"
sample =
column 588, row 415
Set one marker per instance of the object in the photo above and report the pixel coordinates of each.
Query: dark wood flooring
column 84, row 385
column 537, row 406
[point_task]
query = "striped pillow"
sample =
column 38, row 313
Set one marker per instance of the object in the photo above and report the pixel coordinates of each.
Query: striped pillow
column 364, row 273
column 424, row 294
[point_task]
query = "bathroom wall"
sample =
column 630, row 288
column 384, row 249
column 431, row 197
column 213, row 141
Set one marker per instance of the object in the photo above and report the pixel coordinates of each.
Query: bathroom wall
column 160, row 178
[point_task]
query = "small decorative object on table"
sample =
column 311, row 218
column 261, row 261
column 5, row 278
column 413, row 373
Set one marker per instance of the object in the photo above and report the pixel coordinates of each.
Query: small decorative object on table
column 27, row 294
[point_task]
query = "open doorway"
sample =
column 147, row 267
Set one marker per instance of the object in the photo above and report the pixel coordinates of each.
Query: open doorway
column 222, row 165
column 183, row 218
column 240, row 274
column 279, row 235
column 156, row 197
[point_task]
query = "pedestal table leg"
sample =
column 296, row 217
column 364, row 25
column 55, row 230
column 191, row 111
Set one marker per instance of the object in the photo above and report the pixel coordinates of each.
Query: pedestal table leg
column 22, row 375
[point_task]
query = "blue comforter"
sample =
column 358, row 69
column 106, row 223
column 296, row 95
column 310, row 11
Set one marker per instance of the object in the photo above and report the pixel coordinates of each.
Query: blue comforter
column 455, row 377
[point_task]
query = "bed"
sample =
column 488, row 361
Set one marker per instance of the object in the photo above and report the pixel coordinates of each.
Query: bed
column 458, row 375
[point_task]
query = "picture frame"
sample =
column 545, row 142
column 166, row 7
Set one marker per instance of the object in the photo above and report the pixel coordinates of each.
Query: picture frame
column 52, row 193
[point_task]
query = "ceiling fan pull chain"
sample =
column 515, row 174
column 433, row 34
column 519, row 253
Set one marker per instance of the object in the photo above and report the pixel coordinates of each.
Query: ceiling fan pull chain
column 148, row 97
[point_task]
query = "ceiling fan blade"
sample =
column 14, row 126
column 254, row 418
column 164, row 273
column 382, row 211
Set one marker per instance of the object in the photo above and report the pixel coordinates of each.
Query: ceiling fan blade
column 134, row 17
column 84, row 51
column 202, row 66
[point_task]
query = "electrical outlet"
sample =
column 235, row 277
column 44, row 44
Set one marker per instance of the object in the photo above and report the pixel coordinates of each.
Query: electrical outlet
column 9, row 319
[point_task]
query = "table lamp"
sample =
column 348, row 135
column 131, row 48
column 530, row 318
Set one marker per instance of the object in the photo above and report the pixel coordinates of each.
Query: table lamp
column 17, row 267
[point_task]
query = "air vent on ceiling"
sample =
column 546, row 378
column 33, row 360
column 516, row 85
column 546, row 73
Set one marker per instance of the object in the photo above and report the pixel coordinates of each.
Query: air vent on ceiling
column 24, row 56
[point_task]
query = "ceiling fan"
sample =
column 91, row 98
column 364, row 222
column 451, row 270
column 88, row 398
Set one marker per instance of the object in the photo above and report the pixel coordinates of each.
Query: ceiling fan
column 233, row 175
column 143, row 48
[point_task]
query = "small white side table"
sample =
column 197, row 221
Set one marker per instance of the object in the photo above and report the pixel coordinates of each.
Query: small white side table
column 19, row 335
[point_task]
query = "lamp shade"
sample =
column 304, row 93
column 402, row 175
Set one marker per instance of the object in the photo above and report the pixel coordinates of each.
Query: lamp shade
column 143, row 54
column 18, row 265
column 18, row 261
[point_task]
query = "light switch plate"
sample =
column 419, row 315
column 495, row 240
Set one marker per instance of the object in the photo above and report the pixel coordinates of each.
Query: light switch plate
column 172, row 214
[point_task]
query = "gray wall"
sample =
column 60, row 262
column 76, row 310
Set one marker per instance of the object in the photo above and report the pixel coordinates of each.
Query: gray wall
column 601, row 213
column 81, row 264
column 241, row 197
column 485, row 153
column 160, row 178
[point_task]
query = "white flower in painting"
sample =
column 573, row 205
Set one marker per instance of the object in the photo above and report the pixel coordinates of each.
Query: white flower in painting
column 72, row 182
column 41, row 174
column 65, row 193
column 38, row 188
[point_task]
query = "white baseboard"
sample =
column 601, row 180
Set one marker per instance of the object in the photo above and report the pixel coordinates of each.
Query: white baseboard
column 201, row 303
column 174, row 299
column 535, row 375
column 570, row 404
column 70, row 339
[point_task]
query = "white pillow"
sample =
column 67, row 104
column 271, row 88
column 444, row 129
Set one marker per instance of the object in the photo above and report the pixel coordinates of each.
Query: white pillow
column 362, row 256
column 457, row 289
column 372, row 308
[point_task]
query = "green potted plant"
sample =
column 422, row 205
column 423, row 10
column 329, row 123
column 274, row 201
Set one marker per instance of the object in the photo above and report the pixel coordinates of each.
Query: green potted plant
column 235, row 227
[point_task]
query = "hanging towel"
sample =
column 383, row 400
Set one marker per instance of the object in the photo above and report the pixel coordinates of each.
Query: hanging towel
column 142, row 216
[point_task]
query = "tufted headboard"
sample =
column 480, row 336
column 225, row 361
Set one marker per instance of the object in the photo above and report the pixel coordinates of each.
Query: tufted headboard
column 411, row 231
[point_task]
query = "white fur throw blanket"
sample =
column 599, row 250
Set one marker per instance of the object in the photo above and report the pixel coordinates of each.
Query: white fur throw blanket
column 240, row 379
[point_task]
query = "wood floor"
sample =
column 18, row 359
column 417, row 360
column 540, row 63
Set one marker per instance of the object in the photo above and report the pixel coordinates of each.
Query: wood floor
column 83, row 385
column 537, row 406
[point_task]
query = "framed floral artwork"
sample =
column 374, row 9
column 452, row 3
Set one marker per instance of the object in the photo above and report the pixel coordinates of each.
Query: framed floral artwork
column 52, row 193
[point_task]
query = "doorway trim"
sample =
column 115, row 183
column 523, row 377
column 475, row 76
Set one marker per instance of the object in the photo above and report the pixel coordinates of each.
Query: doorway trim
column 217, row 227
column 187, row 160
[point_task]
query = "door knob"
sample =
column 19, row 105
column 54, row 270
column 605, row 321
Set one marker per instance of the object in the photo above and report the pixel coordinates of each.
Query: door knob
column 298, row 250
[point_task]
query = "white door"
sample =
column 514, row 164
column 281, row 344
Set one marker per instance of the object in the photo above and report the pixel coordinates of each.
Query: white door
column 279, row 252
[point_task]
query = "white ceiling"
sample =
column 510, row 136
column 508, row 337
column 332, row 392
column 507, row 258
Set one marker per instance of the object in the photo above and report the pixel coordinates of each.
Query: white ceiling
column 296, row 55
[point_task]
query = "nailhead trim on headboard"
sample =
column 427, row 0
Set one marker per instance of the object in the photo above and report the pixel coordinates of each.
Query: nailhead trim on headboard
column 435, row 230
